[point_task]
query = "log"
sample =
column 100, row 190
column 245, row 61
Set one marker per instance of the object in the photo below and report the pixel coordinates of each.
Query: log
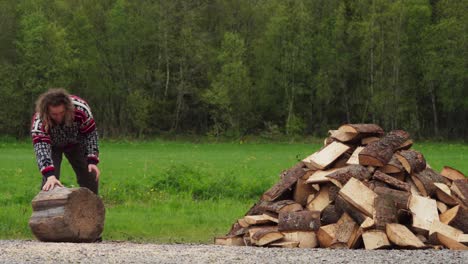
column 229, row 241
column 306, row 239
column 359, row 196
column 341, row 176
column 368, row 140
column 393, row 166
column 452, row 174
column 286, row 184
column 299, row 221
column 326, row 156
column 378, row 175
column 385, row 211
column 67, row 215
column 400, row 198
column 413, row 161
column 402, row 236
column 456, row 217
column 425, row 180
column 375, row 239
column 380, row 152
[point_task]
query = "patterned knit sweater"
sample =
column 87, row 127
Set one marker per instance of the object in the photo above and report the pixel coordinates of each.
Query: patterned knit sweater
column 82, row 131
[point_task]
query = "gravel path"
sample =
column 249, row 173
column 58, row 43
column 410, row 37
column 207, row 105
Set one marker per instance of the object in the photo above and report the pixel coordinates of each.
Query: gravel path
column 20, row 251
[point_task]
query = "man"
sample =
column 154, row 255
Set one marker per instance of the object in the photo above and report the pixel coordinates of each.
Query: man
column 63, row 124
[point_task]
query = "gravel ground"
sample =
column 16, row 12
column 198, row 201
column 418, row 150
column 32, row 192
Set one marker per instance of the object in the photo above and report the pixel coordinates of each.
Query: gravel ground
column 21, row 251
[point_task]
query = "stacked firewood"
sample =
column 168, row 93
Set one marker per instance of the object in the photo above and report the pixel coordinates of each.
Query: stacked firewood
column 362, row 189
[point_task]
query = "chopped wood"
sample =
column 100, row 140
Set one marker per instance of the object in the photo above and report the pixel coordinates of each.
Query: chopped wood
column 359, row 196
column 321, row 200
column 343, row 206
column 341, row 176
column 333, row 192
column 355, row 240
column 346, row 227
column 319, row 176
column 414, row 189
column 285, row 244
column 254, row 229
column 425, row 180
column 449, row 242
column 330, row 215
column 444, row 229
column 265, row 236
column 299, row 221
column 326, row 156
column 306, row 239
column 341, row 161
column 444, row 194
column 401, row 176
column 375, row 239
column 67, row 215
column 392, row 181
column 349, row 132
column 402, row 236
column 243, row 223
column 368, row 140
column 230, row 241
column 460, row 189
column 380, row 152
column 401, row 198
column 452, row 174
column 463, row 238
column 393, row 166
column 406, row 145
column 441, row 207
column 259, row 219
column 385, row 211
column 237, row 230
column 286, row 184
column 456, row 217
column 326, row 235
column 354, row 159
column 424, row 212
column 302, row 191
column 369, row 223
column 413, row 161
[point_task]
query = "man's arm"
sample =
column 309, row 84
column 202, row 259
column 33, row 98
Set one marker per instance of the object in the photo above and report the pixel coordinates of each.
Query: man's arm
column 42, row 148
column 90, row 136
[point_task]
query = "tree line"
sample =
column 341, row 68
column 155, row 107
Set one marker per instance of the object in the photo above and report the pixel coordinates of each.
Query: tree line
column 240, row 67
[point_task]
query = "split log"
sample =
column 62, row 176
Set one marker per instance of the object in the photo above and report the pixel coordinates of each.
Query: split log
column 299, row 221
column 369, row 223
column 406, row 145
column 441, row 207
column 424, row 212
column 286, row 184
column 444, row 194
column 460, row 189
column 444, row 229
column 341, row 176
column 346, row 227
column 425, row 180
column 326, row 235
column 259, row 219
column 380, row 152
column 375, row 239
column 393, row 166
column 348, row 132
column 412, row 161
column 385, row 211
column 452, row 174
column 378, row 175
column 400, row 198
column 229, row 241
column 450, row 243
column 354, row 159
column 463, row 238
column 306, row 239
column 302, row 191
column 368, row 140
column 238, row 230
column 330, row 215
column 456, row 217
column 342, row 206
column 414, row 188
column 319, row 176
column 321, row 200
column 285, row 244
column 265, row 236
column 359, row 196
column 326, row 156
column 67, row 215
column 402, row 236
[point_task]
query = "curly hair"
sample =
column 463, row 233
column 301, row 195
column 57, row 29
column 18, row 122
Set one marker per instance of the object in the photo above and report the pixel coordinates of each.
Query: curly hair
column 54, row 97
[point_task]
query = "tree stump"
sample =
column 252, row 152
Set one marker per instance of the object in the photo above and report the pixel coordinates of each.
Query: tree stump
column 67, row 215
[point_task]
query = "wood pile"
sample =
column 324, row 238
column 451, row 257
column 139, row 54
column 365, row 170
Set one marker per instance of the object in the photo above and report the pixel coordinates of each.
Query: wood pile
column 362, row 189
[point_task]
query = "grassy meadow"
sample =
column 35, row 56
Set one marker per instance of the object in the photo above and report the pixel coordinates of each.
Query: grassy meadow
column 172, row 191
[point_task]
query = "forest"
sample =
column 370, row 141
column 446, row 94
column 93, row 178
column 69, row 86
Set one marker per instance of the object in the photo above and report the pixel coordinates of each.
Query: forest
column 240, row 67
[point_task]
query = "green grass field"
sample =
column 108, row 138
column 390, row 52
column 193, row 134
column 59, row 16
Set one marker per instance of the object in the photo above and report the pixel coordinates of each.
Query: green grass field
column 169, row 191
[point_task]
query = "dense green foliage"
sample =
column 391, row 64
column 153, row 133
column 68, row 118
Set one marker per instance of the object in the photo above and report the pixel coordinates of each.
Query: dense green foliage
column 172, row 191
column 237, row 67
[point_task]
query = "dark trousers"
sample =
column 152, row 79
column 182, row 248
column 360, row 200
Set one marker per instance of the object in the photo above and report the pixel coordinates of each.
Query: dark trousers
column 75, row 155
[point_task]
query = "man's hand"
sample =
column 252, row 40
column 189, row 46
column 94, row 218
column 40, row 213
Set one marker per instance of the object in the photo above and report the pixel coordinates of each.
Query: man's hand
column 50, row 183
column 92, row 167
